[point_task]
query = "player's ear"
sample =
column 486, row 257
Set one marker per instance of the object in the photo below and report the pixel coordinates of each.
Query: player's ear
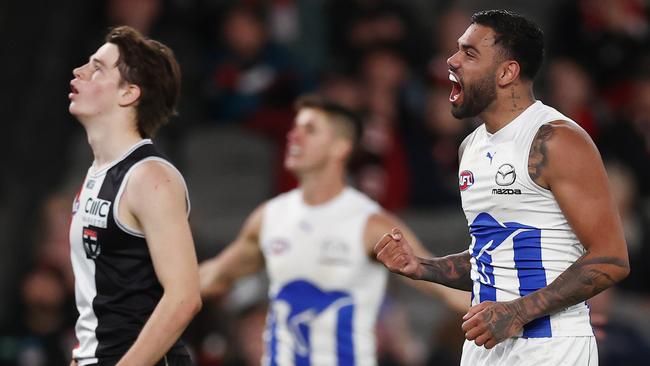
column 508, row 72
column 129, row 94
column 341, row 148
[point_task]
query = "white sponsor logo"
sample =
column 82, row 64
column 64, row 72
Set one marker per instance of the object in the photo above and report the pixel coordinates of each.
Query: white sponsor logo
column 505, row 175
column 96, row 212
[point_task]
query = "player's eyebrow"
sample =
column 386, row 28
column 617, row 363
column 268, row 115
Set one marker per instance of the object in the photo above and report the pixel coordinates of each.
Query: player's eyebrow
column 466, row 46
column 96, row 61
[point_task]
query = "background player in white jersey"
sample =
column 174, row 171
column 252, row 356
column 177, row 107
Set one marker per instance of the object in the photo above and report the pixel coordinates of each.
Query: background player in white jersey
column 136, row 273
column 316, row 244
column 546, row 235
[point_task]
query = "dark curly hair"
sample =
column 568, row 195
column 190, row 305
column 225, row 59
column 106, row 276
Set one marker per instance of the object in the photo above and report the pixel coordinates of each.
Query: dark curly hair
column 519, row 37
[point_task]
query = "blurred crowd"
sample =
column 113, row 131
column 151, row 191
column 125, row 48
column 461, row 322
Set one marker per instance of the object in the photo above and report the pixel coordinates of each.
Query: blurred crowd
column 244, row 62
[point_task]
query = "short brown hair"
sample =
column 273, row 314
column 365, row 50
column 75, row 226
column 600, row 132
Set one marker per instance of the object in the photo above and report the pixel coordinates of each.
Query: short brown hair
column 151, row 66
column 338, row 113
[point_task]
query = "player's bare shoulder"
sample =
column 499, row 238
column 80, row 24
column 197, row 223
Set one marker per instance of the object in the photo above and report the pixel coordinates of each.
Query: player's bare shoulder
column 156, row 175
column 556, row 146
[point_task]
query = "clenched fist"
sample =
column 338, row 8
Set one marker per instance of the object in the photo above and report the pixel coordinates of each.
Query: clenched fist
column 397, row 255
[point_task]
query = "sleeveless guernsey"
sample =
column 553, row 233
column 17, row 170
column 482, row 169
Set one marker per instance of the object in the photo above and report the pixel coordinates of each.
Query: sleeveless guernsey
column 521, row 240
column 325, row 291
column 116, row 288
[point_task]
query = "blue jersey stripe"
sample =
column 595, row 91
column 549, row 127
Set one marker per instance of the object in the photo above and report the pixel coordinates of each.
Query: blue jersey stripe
column 303, row 359
column 488, row 234
column 272, row 344
column 307, row 302
column 345, row 343
column 532, row 276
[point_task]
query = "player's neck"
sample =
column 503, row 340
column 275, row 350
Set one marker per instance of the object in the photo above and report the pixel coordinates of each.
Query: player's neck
column 509, row 105
column 321, row 187
column 109, row 142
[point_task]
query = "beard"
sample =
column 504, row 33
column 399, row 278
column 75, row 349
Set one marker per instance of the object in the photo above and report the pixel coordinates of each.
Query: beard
column 477, row 98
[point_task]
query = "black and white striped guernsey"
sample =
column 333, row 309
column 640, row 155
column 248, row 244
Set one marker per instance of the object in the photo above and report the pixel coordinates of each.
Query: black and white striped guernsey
column 116, row 287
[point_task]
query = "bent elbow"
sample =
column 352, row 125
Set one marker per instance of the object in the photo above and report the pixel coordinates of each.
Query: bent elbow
column 625, row 271
column 193, row 304
column 198, row 305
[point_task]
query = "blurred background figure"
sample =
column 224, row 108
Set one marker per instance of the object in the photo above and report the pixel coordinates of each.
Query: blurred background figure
column 43, row 331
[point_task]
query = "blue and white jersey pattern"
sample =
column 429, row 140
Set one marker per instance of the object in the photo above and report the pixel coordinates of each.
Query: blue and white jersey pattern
column 325, row 291
column 521, row 240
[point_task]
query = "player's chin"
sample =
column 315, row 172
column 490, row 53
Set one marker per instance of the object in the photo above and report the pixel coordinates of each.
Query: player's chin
column 73, row 109
column 291, row 165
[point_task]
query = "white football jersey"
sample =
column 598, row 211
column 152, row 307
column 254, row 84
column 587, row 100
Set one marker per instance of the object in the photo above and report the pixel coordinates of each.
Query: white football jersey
column 521, row 240
column 325, row 290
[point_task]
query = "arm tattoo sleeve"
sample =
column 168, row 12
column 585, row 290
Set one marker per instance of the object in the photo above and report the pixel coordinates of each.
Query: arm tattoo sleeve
column 581, row 281
column 451, row 271
column 537, row 158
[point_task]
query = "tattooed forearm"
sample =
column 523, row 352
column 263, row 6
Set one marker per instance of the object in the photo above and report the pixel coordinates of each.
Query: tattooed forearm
column 584, row 279
column 537, row 158
column 452, row 271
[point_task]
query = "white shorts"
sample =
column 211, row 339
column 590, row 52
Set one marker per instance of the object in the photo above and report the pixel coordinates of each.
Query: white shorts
column 553, row 351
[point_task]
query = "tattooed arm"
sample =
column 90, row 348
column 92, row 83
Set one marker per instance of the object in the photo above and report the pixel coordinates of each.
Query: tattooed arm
column 564, row 160
column 396, row 253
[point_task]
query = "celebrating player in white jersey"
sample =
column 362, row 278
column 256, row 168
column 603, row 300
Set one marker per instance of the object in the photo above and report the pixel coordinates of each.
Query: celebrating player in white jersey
column 546, row 235
column 136, row 275
column 316, row 243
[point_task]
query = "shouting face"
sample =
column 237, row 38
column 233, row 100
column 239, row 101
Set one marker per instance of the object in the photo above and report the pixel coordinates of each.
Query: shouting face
column 472, row 72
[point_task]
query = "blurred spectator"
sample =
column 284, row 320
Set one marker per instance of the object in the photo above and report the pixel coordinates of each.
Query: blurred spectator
column 380, row 169
column 628, row 138
column 248, row 75
column 358, row 26
column 636, row 226
column 622, row 339
column 432, row 145
column 171, row 22
column 396, row 343
column 609, row 38
column 300, row 26
column 53, row 239
column 249, row 328
column 44, row 334
column 449, row 26
column 571, row 91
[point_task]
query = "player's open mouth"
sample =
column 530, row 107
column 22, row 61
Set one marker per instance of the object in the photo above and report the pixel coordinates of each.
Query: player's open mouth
column 456, row 89
column 294, row 150
column 73, row 91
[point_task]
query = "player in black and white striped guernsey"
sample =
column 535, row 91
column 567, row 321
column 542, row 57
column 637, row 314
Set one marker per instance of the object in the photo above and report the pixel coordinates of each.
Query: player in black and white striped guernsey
column 136, row 280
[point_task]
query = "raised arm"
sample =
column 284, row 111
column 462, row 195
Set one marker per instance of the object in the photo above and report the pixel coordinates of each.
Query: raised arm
column 377, row 229
column 564, row 159
column 154, row 201
column 242, row 257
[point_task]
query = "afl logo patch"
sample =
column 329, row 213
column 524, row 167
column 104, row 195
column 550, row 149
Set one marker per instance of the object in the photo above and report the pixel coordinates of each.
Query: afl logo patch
column 505, row 175
column 75, row 205
column 465, row 180
column 277, row 246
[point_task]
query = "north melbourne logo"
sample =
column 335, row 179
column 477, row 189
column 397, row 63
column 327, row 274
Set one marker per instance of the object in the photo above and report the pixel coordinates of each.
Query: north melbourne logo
column 505, row 175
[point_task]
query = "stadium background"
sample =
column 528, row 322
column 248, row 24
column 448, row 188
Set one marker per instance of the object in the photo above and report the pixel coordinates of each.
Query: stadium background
column 243, row 63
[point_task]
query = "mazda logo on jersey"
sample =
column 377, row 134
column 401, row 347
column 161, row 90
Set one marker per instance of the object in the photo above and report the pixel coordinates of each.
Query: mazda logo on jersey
column 91, row 246
column 465, row 180
column 505, row 175
column 96, row 212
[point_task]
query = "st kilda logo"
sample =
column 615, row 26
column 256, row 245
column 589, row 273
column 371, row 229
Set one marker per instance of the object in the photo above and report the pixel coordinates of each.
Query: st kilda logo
column 91, row 245
column 465, row 180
